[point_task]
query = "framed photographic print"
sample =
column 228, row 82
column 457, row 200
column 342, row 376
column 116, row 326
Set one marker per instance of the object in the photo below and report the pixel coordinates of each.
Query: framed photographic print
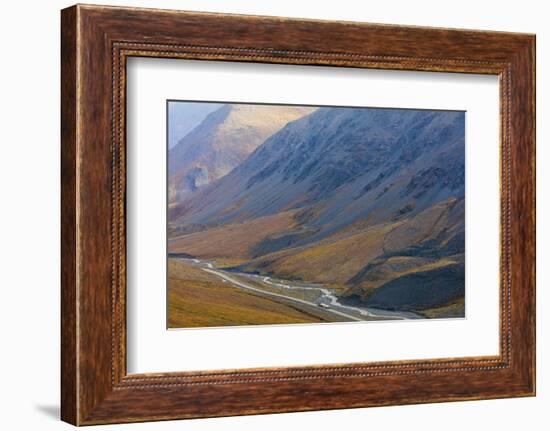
column 267, row 215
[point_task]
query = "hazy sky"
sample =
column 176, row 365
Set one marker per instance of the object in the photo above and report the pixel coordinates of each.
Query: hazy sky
column 185, row 116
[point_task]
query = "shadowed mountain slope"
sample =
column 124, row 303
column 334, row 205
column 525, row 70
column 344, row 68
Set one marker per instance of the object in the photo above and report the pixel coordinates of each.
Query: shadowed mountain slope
column 339, row 165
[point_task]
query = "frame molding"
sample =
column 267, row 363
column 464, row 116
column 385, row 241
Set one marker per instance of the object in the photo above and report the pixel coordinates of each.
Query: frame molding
column 96, row 41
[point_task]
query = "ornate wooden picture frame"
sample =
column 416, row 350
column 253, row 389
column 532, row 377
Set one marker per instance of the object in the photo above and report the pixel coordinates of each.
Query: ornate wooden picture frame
column 96, row 41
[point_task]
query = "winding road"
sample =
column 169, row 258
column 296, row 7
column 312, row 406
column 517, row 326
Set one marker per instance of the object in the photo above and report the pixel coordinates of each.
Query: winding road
column 278, row 295
column 327, row 299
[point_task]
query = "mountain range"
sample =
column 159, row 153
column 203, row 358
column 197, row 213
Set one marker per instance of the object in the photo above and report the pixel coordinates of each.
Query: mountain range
column 220, row 142
column 368, row 201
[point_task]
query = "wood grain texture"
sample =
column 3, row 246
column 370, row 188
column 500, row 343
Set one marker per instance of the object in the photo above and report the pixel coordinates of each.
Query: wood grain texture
column 69, row 397
column 96, row 41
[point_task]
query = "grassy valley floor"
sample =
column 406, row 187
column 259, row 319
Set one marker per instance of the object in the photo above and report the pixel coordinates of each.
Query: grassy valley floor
column 197, row 298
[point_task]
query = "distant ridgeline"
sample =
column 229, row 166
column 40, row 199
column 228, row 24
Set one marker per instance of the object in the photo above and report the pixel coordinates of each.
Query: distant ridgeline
column 223, row 140
column 368, row 201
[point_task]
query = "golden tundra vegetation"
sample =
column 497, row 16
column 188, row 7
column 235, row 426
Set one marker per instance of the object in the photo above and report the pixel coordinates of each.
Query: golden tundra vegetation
column 234, row 242
column 197, row 298
column 333, row 261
